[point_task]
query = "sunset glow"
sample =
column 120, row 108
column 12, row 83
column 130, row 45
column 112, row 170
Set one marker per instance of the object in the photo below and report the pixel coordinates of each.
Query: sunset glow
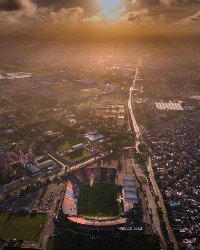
column 112, row 9
column 110, row 4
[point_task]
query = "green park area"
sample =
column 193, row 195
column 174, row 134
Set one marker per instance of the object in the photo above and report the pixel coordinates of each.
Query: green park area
column 120, row 122
column 66, row 91
column 77, row 155
column 62, row 145
column 21, row 226
column 102, row 101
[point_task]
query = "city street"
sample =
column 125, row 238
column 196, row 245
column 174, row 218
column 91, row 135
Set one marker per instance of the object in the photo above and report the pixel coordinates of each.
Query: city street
column 137, row 169
column 161, row 203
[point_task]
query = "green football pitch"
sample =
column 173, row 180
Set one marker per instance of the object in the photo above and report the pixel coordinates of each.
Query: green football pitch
column 21, row 226
column 100, row 200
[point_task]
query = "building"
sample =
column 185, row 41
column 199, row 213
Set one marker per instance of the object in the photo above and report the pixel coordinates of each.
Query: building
column 10, row 167
column 40, row 165
column 116, row 111
column 78, row 146
column 93, row 136
column 174, row 106
column 130, row 195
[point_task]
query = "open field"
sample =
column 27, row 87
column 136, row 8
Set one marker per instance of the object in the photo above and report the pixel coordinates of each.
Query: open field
column 67, row 91
column 65, row 144
column 21, row 226
column 109, row 98
column 100, row 200
column 77, row 155
column 120, row 122
column 133, row 242
column 106, row 144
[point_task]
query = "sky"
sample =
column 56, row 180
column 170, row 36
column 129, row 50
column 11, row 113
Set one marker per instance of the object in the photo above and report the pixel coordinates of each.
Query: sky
column 174, row 12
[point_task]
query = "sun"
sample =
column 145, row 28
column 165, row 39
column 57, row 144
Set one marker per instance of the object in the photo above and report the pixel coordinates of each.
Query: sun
column 110, row 4
column 112, row 9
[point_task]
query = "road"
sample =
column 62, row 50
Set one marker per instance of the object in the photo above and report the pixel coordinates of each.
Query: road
column 18, row 185
column 161, row 204
column 135, row 126
column 150, row 200
column 49, row 225
column 137, row 168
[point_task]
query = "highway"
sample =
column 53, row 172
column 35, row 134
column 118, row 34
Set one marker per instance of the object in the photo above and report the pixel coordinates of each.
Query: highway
column 152, row 188
column 161, row 203
column 137, row 168
column 135, row 126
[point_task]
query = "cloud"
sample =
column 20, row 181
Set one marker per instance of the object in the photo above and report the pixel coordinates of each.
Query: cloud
column 100, row 17
column 162, row 17
column 137, row 17
column 121, row 15
column 134, row 2
column 6, row 5
column 12, row 11
column 25, row 11
column 176, row 2
column 194, row 19
column 62, row 16
column 113, row 14
column 168, row 2
column 17, row 5
column 106, row 15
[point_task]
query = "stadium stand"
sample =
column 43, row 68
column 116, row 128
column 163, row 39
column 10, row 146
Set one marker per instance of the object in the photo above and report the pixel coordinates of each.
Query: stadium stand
column 99, row 174
column 80, row 174
column 74, row 179
column 69, row 205
column 75, row 222
column 130, row 194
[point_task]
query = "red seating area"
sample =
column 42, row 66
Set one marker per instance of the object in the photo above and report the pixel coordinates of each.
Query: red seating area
column 68, row 203
column 69, row 185
column 97, row 223
column 80, row 175
column 99, row 174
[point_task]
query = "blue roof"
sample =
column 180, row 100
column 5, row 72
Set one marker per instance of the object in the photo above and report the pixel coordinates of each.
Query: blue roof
column 94, row 137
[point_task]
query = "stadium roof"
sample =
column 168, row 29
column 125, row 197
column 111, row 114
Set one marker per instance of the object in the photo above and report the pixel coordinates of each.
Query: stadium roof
column 130, row 192
column 34, row 169
column 169, row 106
column 94, row 137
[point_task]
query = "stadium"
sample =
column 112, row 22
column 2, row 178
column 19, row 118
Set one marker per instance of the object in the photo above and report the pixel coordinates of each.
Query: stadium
column 94, row 205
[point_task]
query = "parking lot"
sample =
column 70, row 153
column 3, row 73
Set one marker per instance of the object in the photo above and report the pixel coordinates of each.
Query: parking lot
column 40, row 199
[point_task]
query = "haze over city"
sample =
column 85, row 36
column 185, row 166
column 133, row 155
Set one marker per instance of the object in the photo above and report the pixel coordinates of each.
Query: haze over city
column 99, row 124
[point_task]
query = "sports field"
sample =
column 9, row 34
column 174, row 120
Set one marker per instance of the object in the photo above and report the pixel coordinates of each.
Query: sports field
column 65, row 144
column 97, row 201
column 21, row 226
column 77, row 155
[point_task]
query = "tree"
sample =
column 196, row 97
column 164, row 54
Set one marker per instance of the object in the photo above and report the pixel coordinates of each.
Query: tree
column 176, row 230
column 156, row 198
column 142, row 147
column 48, row 180
column 38, row 183
column 182, row 246
column 119, row 166
column 170, row 245
column 163, row 223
